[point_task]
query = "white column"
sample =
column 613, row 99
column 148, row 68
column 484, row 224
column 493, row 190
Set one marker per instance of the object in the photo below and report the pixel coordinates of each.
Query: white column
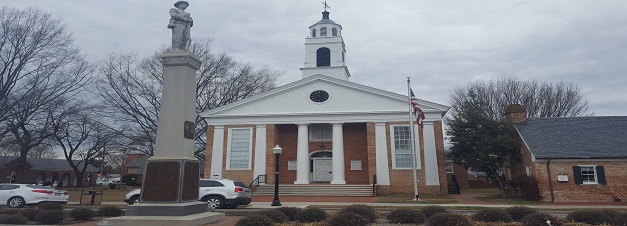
column 338, row 154
column 217, row 152
column 431, row 158
column 302, row 155
column 260, row 151
column 383, row 170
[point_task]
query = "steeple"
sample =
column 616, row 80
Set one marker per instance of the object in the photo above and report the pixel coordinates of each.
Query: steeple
column 325, row 51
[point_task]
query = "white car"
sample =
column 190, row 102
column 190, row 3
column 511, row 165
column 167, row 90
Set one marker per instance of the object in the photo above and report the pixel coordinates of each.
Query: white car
column 19, row 195
column 217, row 193
column 103, row 181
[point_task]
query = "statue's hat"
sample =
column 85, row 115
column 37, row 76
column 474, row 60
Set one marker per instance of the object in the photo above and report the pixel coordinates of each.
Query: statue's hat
column 176, row 4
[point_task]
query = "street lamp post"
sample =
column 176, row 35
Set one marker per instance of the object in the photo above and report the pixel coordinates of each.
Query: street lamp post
column 277, row 154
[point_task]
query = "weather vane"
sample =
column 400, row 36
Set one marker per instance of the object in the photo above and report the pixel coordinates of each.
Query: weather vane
column 325, row 6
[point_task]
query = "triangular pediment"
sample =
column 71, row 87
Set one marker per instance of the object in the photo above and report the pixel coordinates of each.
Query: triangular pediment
column 345, row 98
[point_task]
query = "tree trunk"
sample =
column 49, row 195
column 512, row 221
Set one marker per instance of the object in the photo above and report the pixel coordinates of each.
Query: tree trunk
column 20, row 166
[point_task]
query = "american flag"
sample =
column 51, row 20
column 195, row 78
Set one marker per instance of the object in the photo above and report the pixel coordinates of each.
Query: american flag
column 417, row 111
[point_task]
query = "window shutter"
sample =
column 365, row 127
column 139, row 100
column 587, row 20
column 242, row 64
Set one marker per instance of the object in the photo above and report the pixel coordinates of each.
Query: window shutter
column 577, row 174
column 601, row 175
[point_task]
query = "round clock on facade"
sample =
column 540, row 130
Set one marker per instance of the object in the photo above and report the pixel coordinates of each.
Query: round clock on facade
column 319, row 96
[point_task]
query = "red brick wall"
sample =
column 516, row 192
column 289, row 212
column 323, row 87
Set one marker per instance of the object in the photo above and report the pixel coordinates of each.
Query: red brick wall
column 615, row 175
column 356, row 148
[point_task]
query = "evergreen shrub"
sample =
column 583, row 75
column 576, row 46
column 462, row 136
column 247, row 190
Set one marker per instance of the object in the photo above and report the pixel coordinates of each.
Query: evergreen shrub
column 50, row 216
column 492, row 215
column 13, row 219
column 367, row 212
column 50, row 206
column 275, row 215
column 290, row 212
column 448, row 219
column 254, row 220
column 347, row 219
column 406, row 216
column 110, row 211
column 30, row 213
column 82, row 214
column 429, row 211
column 536, row 219
column 518, row 212
column 589, row 217
column 311, row 214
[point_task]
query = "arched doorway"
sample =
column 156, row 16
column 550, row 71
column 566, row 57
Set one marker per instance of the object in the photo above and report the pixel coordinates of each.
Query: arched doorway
column 321, row 166
column 66, row 180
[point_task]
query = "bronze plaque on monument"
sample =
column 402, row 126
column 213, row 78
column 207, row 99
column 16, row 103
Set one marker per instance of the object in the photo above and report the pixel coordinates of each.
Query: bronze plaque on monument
column 163, row 182
column 190, row 181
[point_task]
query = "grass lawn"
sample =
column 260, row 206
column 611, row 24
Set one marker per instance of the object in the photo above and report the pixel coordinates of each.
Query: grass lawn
column 493, row 196
column 408, row 198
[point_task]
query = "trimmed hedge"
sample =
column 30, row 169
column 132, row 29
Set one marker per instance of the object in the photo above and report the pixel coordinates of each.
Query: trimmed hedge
column 254, row 220
column 518, row 212
column 347, row 219
column 589, row 217
column 406, row 216
column 50, row 216
column 311, row 214
column 82, row 214
column 429, row 211
column 290, row 212
column 13, row 219
column 30, row 213
column 492, row 215
column 275, row 215
column 536, row 219
column 110, row 211
column 448, row 219
column 367, row 212
column 50, row 206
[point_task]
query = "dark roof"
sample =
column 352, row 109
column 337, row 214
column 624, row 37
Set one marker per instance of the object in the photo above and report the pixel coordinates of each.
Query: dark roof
column 576, row 137
column 47, row 164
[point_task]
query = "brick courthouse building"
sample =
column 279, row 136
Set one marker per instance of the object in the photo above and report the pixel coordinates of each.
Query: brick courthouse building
column 331, row 130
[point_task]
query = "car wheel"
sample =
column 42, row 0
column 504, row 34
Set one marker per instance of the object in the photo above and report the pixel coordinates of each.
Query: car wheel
column 16, row 202
column 133, row 200
column 215, row 202
column 232, row 206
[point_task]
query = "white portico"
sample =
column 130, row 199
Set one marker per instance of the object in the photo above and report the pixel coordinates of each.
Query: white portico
column 331, row 130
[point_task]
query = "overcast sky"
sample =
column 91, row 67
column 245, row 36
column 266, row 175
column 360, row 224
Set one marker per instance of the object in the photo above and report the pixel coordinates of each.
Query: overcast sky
column 440, row 44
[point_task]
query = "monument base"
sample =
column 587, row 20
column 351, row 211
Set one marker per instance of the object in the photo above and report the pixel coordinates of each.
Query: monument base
column 189, row 220
column 167, row 179
column 166, row 209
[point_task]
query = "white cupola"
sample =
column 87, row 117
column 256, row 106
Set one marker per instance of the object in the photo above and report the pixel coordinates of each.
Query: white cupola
column 325, row 52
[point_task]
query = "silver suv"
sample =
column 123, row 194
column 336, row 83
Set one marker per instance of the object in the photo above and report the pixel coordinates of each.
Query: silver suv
column 217, row 193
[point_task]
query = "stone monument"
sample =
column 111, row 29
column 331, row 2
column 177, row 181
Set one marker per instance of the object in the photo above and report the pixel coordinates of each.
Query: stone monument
column 170, row 186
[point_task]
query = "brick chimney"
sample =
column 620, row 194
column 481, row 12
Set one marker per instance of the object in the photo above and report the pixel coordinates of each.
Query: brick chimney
column 515, row 113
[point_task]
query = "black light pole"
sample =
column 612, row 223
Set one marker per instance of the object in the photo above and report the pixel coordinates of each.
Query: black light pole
column 277, row 153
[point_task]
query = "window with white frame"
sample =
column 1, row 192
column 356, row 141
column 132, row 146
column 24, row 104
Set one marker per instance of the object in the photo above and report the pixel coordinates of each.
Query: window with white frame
column 588, row 175
column 401, row 147
column 355, row 164
column 449, row 167
column 240, row 148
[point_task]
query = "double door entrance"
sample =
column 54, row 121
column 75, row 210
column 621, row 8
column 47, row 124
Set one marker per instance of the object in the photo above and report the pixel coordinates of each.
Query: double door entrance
column 322, row 169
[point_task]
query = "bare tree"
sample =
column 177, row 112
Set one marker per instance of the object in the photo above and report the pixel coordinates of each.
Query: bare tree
column 540, row 99
column 40, row 70
column 82, row 138
column 42, row 151
column 133, row 89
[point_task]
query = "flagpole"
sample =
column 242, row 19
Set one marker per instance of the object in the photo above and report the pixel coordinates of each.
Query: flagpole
column 412, row 142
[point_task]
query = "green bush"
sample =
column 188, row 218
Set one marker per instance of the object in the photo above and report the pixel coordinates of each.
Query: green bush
column 275, row 215
column 527, row 186
column 429, row 211
column 620, row 219
column 30, row 213
column 50, row 206
column 406, row 216
column 110, row 211
column 9, row 211
column 448, row 219
column 536, row 219
column 589, row 217
column 50, row 216
column 518, row 212
column 13, row 219
column 492, row 215
column 311, row 214
column 290, row 212
column 364, row 211
column 254, row 220
column 82, row 214
column 129, row 181
column 347, row 219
